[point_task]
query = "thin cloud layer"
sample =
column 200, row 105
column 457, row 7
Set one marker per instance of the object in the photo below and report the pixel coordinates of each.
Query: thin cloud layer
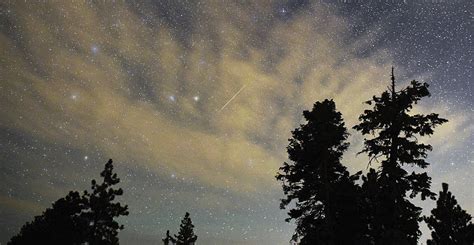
column 78, row 76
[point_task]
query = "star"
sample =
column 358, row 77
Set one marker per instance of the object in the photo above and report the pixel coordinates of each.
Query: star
column 94, row 49
column 283, row 11
column 196, row 98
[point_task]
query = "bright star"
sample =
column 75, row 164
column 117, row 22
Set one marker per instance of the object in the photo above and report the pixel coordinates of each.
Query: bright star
column 94, row 49
column 86, row 157
column 196, row 98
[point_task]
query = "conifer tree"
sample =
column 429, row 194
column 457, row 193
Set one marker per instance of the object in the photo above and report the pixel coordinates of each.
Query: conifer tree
column 394, row 219
column 79, row 219
column 103, row 229
column 186, row 234
column 449, row 223
column 60, row 224
column 324, row 193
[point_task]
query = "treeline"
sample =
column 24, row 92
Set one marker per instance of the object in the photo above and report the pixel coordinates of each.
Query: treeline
column 332, row 206
column 329, row 205
column 90, row 218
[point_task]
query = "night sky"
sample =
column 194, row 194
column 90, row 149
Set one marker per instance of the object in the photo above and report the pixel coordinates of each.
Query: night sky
column 195, row 100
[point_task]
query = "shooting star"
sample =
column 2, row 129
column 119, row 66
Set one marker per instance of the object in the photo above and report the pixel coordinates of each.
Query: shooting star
column 233, row 97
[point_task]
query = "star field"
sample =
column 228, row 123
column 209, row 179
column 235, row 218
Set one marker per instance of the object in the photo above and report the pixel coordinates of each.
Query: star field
column 195, row 100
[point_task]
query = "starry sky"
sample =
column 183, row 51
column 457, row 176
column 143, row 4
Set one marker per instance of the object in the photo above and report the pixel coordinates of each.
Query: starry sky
column 195, row 100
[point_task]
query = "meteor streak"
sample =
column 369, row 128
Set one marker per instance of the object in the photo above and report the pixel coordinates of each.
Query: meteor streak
column 233, row 97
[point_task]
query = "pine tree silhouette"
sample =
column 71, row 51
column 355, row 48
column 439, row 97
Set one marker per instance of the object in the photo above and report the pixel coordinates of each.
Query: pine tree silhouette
column 77, row 219
column 394, row 218
column 450, row 224
column 103, row 229
column 323, row 191
column 168, row 239
column 186, row 234
column 60, row 224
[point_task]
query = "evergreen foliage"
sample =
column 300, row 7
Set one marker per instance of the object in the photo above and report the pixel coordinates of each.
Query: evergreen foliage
column 450, row 224
column 324, row 192
column 393, row 219
column 79, row 219
column 60, row 224
column 186, row 234
column 103, row 229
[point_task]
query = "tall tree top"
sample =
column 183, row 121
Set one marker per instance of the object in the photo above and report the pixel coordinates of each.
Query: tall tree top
column 317, row 144
column 396, row 128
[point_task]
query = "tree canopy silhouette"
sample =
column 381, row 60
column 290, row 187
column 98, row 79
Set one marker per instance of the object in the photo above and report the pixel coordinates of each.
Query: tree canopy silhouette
column 450, row 224
column 103, row 229
column 168, row 239
column 79, row 219
column 323, row 190
column 394, row 219
column 186, row 234
column 60, row 224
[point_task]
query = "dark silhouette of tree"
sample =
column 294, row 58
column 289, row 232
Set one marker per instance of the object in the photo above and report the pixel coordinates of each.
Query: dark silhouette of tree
column 77, row 219
column 168, row 239
column 323, row 191
column 60, row 224
column 450, row 224
column 369, row 206
column 103, row 229
column 186, row 234
column 394, row 218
